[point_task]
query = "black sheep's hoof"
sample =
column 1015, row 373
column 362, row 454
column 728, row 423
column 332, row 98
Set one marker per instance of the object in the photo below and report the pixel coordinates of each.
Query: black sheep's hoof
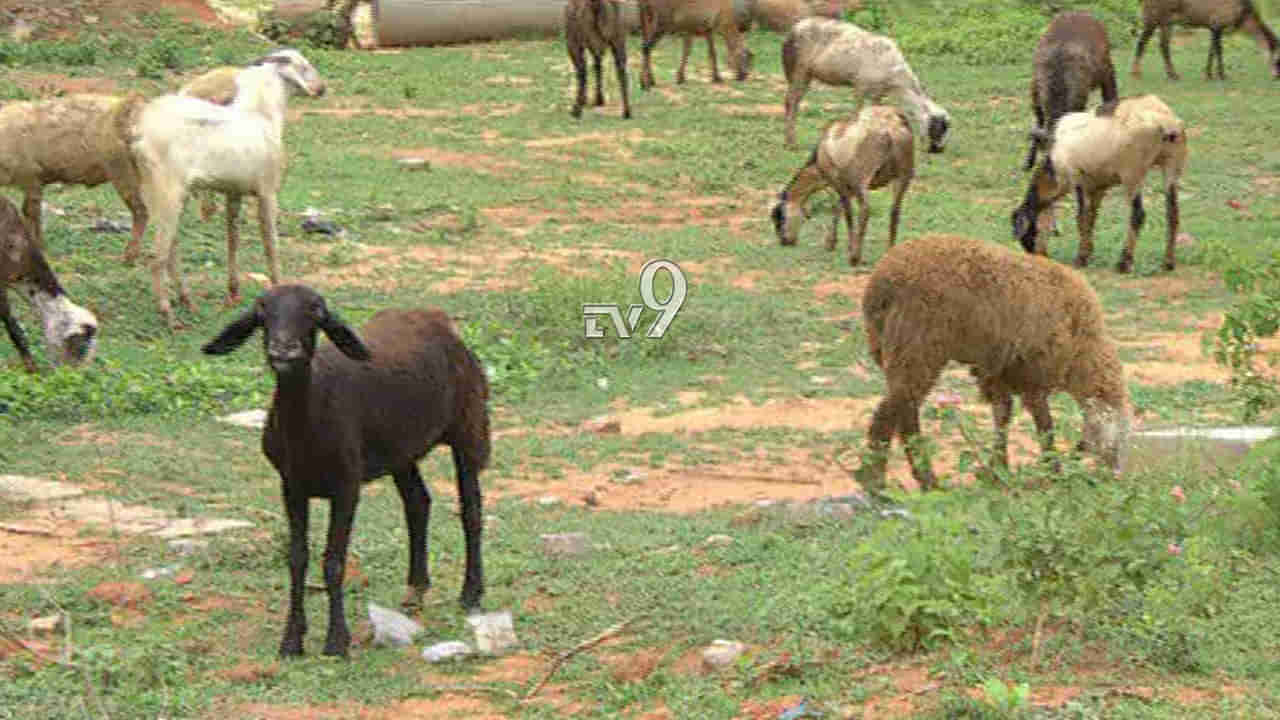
column 626, row 114
column 291, row 649
column 1124, row 265
column 1168, row 266
column 337, row 646
column 576, row 112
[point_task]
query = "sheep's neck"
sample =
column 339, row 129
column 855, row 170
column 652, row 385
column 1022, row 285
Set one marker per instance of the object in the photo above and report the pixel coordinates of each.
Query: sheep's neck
column 292, row 403
column 806, row 182
column 269, row 99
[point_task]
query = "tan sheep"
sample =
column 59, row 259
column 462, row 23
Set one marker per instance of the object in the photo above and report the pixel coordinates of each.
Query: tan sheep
column 1219, row 16
column 593, row 25
column 841, row 53
column 1023, row 324
column 78, row 139
column 853, row 157
column 690, row 18
column 1090, row 153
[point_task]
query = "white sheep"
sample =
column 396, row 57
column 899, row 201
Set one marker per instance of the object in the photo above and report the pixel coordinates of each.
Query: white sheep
column 1091, row 152
column 853, row 156
column 183, row 143
column 80, row 139
column 841, row 53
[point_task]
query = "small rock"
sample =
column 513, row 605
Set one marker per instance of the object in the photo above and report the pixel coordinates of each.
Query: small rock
column 625, row 476
column 548, row 500
column 322, row 227
column 46, row 625
column 766, row 503
column 565, row 543
column 414, row 163
column 107, row 225
column 895, row 512
column 602, row 383
column 256, row 419
column 390, row 628
column 153, row 573
column 494, row 631
column 446, row 651
column 718, row 541
column 603, row 425
column 721, row 654
column 821, row 380
column 187, row 546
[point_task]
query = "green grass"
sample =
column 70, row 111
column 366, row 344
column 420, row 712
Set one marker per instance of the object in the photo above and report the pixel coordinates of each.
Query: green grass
column 523, row 216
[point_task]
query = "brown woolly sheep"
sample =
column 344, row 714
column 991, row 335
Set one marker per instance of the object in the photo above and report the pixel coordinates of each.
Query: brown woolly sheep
column 1024, row 325
column 70, row 331
column 1091, row 152
column 77, row 139
column 841, row 53
column 1219, row 16
column 594, row 25
column 357, row 409
column 853, row 157
column 1072, row 58
column 689, row 18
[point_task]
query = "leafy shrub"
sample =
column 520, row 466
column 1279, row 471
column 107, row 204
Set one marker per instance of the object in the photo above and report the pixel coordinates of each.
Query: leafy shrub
column 1254, row 315
column 321, row 29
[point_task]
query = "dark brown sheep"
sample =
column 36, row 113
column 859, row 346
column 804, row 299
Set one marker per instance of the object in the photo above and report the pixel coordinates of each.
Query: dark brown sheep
column 593, row 25
column 1024, row 325
column 365, row 406
column 1219, row 16
column 1072, row 58
column 70, row 330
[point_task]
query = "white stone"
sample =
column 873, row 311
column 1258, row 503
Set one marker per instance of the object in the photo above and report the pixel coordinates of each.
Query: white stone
column 574, row 543
column 446, row 651
column 47, row 624
column 23, row 487
column 548, row 500
column 256, row 419
column 722, row 653
column 182, row 527
column 494, row 631
column 718, row 540
column 390, row 628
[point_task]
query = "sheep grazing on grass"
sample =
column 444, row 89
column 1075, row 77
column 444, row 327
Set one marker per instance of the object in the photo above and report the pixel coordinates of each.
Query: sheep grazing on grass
column 840, row 53
column 1219, row 16
column 689, row 18
column 1072, row 58
column 595, row 25
column 853, row 157
column 184, row 143
column 365, row 406
column 1091, row 152
column 78, row 140
column 70, row 331
column 1023, row 324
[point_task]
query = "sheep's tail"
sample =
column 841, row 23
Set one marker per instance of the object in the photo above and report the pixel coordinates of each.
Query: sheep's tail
column 789, row 56
column 476, row 413
column 123, row 118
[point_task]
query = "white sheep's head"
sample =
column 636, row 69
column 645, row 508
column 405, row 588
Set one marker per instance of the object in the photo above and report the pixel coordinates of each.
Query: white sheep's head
column 296, row 71
column 289, row 316
column 788, row 216
column 70, row 331
column 1106, row 430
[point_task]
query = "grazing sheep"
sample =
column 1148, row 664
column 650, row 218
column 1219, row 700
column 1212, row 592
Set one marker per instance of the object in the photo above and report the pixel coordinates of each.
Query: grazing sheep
column 1117, row 144
column 1072, row 58
column 356, row 410
column 185, row 143
column 841, row 53
column 1025, row 325
column 70, row 331
column 1218, row 16
column 77, row 139
column 690, row 18
column 853, row 157
column 594, row 25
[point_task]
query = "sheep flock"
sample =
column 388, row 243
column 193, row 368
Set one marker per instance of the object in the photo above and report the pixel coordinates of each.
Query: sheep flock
column 374, row 401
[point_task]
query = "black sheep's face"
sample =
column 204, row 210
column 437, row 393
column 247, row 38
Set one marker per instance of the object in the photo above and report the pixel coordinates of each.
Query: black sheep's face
column 1024, row 228
column 787, row 218
column 938, row 127
column 289, row 322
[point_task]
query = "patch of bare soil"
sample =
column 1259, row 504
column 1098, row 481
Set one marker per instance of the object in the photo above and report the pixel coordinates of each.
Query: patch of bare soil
column 599, row 138
column 25, row 556
column 64, row 18
column 905, row 685
column 43, row 84
column 474, row 111
column 761, row 109
column 444, row 706
column 479, row 162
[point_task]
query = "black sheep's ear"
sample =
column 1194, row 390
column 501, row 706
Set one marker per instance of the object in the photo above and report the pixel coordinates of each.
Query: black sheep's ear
column 344, row 338
column 234, row 335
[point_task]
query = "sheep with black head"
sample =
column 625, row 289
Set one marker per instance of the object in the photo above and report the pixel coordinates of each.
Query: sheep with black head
column 367, row 405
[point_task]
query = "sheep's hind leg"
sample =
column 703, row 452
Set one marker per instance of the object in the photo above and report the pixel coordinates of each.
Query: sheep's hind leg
column 1037, row 405
column 1136, row 69
column 1087, row 203
column 342, row 511
column 711, row 54
column 1165, row 33
column 578, row 57
column 864, row 216
column 1171, row 224
column 895, row 212
column 296, row 626
column 620, row 64
column 164, row 200
column 15, row 333
column 597, row 62
column 472, row 527
column 233, row 245
column 1001, row 400
column 416, row 499
column 791, row 106
column 1215, row 48
column 138, row 214
column 1136, row 218
column 267, row 224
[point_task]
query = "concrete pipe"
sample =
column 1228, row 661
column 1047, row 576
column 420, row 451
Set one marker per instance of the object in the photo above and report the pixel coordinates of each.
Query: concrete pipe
column 438, row 22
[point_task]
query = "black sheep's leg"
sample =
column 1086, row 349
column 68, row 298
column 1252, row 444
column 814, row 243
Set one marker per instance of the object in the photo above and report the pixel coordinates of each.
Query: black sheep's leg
column 15, row 332
column 472, row 527
column 296, row 626
column 417, row 513
column 342, row 512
